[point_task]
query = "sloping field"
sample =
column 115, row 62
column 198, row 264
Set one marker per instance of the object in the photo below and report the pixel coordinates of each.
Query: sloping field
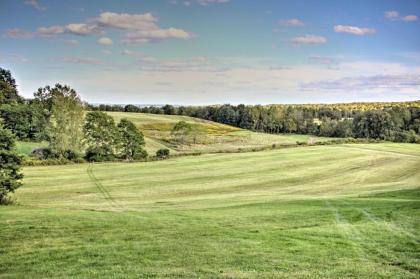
column 322, row 211
column 210, row 136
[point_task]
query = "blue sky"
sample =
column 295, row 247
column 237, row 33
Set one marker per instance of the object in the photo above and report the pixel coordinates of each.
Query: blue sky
column 215, row 51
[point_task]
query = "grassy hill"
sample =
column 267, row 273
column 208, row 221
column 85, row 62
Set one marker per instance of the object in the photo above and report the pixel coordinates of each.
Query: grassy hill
column 323, row 211
column 210, row 136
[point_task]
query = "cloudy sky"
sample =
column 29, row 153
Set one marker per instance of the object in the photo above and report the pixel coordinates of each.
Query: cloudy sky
column 215, row 51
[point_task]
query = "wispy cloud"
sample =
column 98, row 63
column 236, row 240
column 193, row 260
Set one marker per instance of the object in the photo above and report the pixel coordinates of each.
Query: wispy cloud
column 353, row 30
column 17, row 33
column 207, row 2
column 409, row 18
column 309, row 40
column 80, row 60
column 49, row 31
column 35, row 4
column 105, row 41
column 366, row 83
column 395, row 15
column 291, row 22
column 139, row 28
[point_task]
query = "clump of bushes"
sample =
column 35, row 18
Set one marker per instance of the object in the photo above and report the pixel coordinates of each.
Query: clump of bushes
column 162, row 153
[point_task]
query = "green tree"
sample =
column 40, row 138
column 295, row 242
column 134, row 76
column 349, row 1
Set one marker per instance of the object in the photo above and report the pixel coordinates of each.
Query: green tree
column 26, row 121
column 132, row 141
column 162, row 153
column 10, row 175
column 66, row 119
column 168, row 109
column 8, row 88
column 101, row 136
column 181, row 131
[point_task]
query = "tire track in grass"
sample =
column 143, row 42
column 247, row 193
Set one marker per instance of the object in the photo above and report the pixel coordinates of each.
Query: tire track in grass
column 360, row 178
column 345, row 230
column 367, row 246
column 101, row 188
column 379, row 222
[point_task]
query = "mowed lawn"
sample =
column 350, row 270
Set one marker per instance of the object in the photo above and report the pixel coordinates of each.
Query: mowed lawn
column 342, row 211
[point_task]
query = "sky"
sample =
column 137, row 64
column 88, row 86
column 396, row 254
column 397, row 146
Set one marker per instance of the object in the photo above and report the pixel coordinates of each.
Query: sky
column 198, row 52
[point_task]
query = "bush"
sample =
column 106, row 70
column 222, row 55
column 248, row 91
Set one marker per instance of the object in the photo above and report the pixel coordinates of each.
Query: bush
column 98, row 155
column 45, row 153
column 141, row 154
column 71, row 155
column 162, row 153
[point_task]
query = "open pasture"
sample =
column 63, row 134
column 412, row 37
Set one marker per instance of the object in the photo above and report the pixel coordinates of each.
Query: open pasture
column 328, row 211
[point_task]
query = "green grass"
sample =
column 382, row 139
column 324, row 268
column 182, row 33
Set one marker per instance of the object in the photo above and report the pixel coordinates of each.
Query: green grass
column 342, row 211
column 25, row 148
column 210, row 136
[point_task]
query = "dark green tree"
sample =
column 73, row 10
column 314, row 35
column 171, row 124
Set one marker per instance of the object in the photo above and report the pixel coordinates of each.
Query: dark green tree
column 131, row 140
column 101, row 136
column 10, row 175
column 162, row 153
column 168, row 109
column 8, row 88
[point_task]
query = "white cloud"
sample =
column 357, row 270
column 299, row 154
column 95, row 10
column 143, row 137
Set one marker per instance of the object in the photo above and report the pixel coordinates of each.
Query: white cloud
column 353, row 30
column 409, row 18
column 156, row 35
column 187, row 3
column 393, row 15
column 80, row 60
column 128, row 52
column 82, row 29
column 385, row 83
column 35, row 4
column 207, row 2
column 309, row 40
column 49, row 31
column 17, row 33
column 142, row 28
column 292, row 22
column 105, row 41
column 201, row 80
column 127, row 21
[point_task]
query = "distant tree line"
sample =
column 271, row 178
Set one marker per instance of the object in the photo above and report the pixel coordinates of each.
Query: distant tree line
column 399, row 122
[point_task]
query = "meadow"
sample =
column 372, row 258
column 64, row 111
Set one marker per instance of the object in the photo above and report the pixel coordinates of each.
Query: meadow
column 210, row 137
column 338, row 211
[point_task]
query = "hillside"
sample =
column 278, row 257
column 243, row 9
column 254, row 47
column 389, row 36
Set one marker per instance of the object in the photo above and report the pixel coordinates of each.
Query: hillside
column 335, row 211
column 209, row 136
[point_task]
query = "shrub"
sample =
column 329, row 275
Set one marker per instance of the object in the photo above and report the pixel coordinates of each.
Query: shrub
column 45, row 153
column 162, row 153
column 98, row 155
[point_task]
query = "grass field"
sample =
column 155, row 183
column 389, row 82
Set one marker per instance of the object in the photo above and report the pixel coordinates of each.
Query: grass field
column 342, row 211
column 211, row 136
column 25, row 148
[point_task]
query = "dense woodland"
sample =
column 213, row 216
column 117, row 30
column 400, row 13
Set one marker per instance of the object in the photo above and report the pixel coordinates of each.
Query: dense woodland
column 399, row 122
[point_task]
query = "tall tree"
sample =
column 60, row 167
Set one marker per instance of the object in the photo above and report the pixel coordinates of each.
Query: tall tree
column 8, row 88
column 132, row 141
column 66, row 117
column 102, row 136
column 10, row 175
